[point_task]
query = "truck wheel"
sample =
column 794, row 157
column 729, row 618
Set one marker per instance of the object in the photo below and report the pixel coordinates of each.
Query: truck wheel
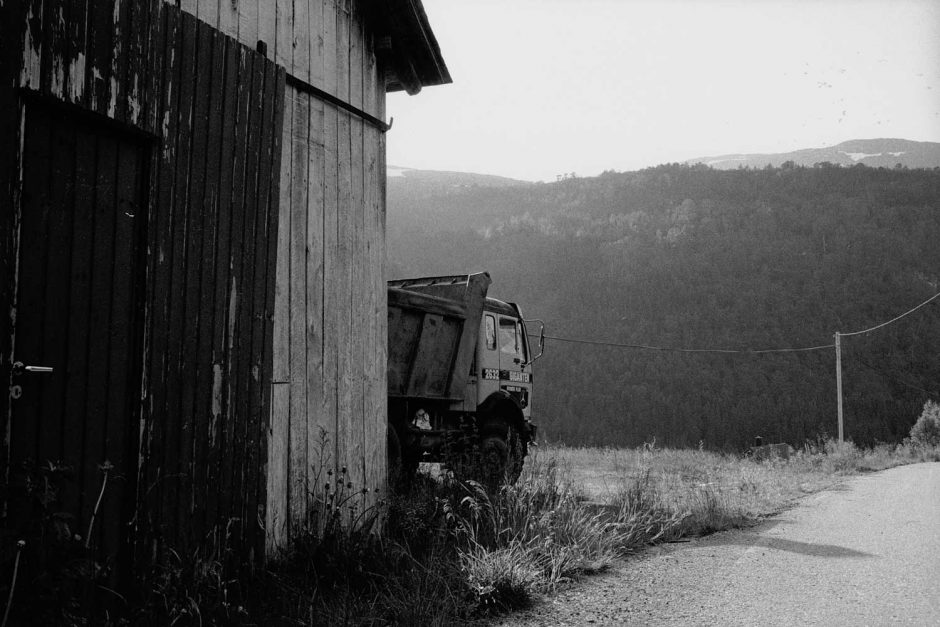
column 494, row 459
column 516, row 448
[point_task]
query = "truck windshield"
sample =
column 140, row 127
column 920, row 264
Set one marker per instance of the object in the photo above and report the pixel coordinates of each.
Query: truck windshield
column 510, row 338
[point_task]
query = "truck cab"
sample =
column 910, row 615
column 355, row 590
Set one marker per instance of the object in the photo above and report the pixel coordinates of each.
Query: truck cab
column 503, row 360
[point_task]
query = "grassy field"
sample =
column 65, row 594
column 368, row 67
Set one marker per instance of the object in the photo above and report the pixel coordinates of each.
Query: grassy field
column 450, row 552
column 714, row 491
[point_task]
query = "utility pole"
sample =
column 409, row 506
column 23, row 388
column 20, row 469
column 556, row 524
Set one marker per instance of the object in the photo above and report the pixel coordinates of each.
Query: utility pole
column 839, row 381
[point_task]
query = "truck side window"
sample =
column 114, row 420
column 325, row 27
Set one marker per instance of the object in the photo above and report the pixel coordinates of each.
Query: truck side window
column 508, row 336
column 490, row 332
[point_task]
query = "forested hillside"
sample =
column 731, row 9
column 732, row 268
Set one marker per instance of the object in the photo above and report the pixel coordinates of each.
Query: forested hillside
column 689, row 257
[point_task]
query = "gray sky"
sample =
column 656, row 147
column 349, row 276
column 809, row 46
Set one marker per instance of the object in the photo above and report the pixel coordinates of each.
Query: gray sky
column 545, row 87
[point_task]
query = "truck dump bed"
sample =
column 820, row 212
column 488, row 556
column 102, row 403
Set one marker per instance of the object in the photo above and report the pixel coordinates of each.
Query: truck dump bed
column 433, row 324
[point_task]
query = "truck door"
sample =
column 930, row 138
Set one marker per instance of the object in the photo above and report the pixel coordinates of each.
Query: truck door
column 489, row 357
column 512, row 358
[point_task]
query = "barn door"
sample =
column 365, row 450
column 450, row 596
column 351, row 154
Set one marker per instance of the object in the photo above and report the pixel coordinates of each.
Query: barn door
column 77, row 330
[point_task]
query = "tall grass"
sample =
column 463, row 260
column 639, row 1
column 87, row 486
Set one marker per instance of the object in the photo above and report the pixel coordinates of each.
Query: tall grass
column 532, row 536
column 451, row 551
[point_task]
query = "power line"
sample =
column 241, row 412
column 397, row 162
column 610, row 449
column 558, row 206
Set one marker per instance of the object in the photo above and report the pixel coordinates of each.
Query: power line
column 895, row 319
column 667, row 349
column 728, row 351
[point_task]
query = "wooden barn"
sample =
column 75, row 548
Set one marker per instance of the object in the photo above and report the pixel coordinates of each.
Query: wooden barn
column 192, row 250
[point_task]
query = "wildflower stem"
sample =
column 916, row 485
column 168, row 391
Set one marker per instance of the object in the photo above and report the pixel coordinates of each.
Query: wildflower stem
column 16, row 567
column 105, row 468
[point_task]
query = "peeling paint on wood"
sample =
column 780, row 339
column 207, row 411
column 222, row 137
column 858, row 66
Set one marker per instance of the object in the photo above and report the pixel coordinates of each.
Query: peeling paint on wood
column 77, row 70
column 32, row 46
column 204, row 324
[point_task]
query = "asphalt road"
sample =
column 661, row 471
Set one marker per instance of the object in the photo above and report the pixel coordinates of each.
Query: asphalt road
column 866, row 553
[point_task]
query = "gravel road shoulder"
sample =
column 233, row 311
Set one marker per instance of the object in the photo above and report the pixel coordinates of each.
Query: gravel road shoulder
column 864, row 552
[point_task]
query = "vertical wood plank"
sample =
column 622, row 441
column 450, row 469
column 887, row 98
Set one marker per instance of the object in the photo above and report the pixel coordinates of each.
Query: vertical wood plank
column 380, row 290
column 79, row 304
column 279, row 483
column 228, row 18
column 248, row 23
column 359, row 311
column 321, row 352
column 75, row 67
column 376, row 390
column 99, row 431
column 161, row 231
column 247, row 376
column 126, row 212
column 179, row 431
column 193, row 364
column 189, row 514
column 119, row 58
column 32, row 38
column 222, row 411
column 265, row 232
column 13, row 40
column 55, row 47
column 155, row 58
column 375, row 424
column 273, row 208
column 100, row 26
column 54, row 52
column 346, row 431
column 300, row 64
column 298, row 307
column 209, row 83
column 267, row 25
column 284, row 33
column 138, row 68
column 331, row 286
column 316, row 26
column 318, row 422
column 232, row 458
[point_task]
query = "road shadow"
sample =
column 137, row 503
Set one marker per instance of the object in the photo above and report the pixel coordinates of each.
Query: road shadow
column 792, row 546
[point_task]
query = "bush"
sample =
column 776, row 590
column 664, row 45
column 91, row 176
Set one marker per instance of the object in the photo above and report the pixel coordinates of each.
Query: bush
column 926, row 431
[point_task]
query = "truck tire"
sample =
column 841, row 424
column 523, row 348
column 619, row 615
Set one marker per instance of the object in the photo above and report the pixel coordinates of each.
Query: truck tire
column 502, row 452
column 494, row 460
column 517, row 452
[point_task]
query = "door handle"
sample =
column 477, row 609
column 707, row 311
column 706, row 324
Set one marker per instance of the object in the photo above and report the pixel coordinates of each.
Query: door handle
column 20, row 368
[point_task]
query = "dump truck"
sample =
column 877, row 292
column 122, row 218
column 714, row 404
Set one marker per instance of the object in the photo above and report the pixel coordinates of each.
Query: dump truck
column 459, row 376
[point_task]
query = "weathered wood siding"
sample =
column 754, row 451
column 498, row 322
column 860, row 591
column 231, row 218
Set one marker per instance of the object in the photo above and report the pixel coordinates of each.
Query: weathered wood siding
column 328, row 409
column 212, row 111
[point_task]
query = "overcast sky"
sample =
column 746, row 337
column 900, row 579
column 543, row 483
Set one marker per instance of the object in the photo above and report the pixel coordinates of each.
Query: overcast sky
column 545, row 87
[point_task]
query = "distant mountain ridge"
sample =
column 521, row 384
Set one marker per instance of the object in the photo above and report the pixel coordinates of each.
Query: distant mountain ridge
column 875, row 153
column 441, row 180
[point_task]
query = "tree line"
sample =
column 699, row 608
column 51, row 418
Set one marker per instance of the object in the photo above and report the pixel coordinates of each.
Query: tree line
column 689, row 257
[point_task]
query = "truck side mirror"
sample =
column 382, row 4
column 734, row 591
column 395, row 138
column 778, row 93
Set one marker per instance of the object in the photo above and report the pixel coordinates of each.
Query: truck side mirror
column 541, row 339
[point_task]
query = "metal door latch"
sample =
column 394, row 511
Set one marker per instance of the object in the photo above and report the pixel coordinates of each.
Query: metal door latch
column 20, row 368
